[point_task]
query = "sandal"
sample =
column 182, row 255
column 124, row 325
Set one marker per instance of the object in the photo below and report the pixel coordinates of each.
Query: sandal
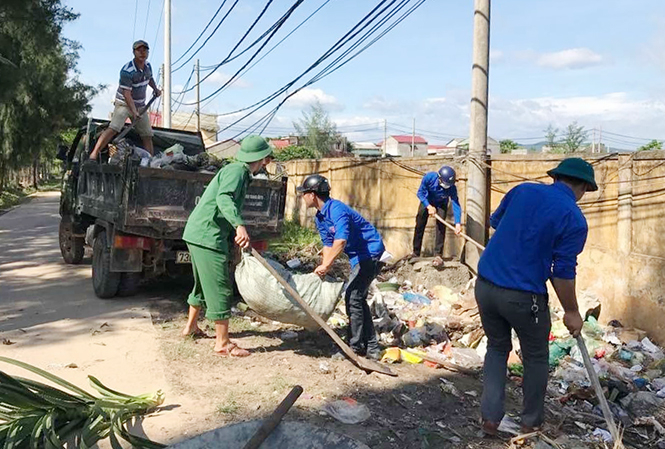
column 232, row 350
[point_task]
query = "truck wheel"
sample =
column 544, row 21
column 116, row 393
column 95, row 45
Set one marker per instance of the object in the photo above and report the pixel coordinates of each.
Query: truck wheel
column 129, row 284
column 104, row 282
column 71, row 248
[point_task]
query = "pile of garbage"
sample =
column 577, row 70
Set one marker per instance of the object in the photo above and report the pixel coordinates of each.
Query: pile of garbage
column 172, row 158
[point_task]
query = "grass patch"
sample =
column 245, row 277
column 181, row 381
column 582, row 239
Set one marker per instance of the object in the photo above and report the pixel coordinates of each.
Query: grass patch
column 14, row 194
column 229, row 407
column 280, row 383
column 180, row 350
column 239, row 324
column 295, row 236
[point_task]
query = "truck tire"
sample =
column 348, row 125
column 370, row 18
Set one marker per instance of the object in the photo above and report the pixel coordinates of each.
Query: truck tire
column 129, row 284
column 104, row 282
column 71, row 248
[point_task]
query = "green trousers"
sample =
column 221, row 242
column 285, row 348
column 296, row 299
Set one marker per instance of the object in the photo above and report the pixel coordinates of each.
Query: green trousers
column 212, row 283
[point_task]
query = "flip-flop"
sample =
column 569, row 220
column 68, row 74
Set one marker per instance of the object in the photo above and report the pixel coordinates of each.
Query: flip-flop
column 232, row 350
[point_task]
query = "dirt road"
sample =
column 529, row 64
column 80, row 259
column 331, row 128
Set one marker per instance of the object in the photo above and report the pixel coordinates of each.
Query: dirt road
column 50, row 317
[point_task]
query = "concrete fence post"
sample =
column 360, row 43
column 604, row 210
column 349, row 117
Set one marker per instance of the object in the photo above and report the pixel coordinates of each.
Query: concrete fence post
column 625, row 205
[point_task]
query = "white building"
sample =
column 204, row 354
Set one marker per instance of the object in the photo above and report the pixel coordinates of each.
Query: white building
column 405, row 146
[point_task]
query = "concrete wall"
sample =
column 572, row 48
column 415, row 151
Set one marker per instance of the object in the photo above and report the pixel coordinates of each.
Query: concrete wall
column 624, row 258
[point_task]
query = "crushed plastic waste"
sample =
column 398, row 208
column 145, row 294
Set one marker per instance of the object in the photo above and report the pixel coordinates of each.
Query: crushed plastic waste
column 347, row 411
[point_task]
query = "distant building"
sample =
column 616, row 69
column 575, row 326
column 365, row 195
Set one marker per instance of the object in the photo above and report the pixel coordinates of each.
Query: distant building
column 366, row 149
column 224, row 149
column 187, row 122
column 520, row 151
column 440, row 150
column 405, row 146
column 462, row 146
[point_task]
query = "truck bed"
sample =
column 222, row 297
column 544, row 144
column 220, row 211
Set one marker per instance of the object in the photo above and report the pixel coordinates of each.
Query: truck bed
column 156, row 203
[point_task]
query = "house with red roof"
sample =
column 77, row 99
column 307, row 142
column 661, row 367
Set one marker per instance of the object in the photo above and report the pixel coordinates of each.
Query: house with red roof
column 405, row 146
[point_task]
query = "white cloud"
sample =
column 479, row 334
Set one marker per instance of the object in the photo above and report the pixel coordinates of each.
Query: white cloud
column 222, row 78
column 380, row 104
column 308, row 96
column 496, row 56
column 572, row 58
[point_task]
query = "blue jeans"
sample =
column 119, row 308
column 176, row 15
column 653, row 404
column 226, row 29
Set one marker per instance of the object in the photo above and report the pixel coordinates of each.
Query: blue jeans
column 502, row 310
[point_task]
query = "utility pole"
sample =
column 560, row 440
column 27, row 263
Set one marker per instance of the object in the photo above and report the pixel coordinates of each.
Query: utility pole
column 413, row 137
column 476, row 187
column 385, row 137
column 161, row 119
column 167, row 64
column 600, row 139
column 593, row 142
column 198, row 97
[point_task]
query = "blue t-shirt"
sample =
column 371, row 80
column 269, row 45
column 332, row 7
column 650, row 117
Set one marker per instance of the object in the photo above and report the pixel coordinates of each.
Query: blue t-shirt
column 432, row 192
column 337, row 221
column 540, row 231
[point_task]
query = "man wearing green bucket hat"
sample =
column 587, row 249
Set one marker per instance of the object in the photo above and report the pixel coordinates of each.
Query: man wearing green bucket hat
column 213, row 221
column 540, row 231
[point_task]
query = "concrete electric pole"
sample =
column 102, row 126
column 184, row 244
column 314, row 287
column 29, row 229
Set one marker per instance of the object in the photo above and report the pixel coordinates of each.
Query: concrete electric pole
column 476, row 187
column 167, row 64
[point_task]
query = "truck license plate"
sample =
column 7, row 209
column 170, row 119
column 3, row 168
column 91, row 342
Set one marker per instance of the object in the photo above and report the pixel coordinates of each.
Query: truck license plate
column 183, row 257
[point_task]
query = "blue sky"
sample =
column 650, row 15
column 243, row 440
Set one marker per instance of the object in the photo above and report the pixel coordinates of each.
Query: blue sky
column 598, row 62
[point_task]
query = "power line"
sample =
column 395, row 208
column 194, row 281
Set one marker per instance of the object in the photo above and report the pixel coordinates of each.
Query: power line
column 276, row 28
column 136, row 11
column 202, row 32
column 212, row 34
column 159, row 25
column 276, row 45
column 147, row 16
column 335, row 65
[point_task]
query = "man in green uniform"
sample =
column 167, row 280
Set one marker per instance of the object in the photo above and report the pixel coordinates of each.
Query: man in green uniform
column 214, row 219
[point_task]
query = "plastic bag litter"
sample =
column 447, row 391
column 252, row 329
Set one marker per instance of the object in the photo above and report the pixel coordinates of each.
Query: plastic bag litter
column 348, row 411
column 266, row 296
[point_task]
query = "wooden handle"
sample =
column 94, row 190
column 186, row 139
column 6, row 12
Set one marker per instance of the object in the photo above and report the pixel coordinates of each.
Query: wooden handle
column 274, row 419
column 593, row 377
column 469, row 239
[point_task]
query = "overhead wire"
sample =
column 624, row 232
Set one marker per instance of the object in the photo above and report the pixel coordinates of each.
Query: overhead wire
column 274, row 46
column 332, row 67
column 136, row 11
column 212, row 19
column 147, row 16
column 347, row 37
column 159, row 25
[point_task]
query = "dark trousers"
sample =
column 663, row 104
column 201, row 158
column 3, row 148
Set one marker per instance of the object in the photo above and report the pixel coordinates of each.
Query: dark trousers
column 361, row 334
column 421, row 223
column 500, row 311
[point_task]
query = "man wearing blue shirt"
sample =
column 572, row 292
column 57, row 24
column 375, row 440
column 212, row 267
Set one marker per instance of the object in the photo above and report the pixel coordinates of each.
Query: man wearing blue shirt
column 436, row 189
column 540, row 231
column 343, row 229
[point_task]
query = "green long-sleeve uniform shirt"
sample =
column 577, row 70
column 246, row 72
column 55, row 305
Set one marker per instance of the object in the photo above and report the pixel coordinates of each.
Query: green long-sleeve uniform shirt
column 217, row 214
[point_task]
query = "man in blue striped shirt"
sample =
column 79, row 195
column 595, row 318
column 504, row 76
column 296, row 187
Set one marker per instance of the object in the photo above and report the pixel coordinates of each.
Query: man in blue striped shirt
column 135, row 77
column 540, row 231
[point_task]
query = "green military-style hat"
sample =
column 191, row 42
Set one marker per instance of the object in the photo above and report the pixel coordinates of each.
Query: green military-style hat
column 252, row 149
column 577, row 168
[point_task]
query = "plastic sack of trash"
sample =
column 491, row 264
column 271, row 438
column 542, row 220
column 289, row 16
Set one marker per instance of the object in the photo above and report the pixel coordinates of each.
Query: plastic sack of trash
column 267, row 297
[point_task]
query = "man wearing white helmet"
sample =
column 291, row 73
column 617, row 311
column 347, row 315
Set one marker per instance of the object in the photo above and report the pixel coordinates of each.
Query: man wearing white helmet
column 436, row 190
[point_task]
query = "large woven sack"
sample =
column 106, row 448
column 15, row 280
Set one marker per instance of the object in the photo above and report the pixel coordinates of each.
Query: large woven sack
column 267, row 297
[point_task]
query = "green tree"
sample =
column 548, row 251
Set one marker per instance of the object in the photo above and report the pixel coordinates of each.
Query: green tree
column 41, row 94
column 551, row 134
column 318, row 131
column 507, row 145
column 653, row 145
column 573, row 138
column 295, row 152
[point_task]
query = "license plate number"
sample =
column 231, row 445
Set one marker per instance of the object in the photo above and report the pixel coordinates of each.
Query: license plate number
column 183, row 257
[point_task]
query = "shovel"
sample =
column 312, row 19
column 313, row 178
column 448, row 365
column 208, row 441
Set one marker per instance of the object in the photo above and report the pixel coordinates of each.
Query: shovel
column 124, row 132
column 463, row 235
column 364, row 364
column 272, row 421
column 593, row 377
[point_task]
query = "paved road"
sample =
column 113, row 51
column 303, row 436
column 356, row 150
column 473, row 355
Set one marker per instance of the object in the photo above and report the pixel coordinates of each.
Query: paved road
column 51, row 317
